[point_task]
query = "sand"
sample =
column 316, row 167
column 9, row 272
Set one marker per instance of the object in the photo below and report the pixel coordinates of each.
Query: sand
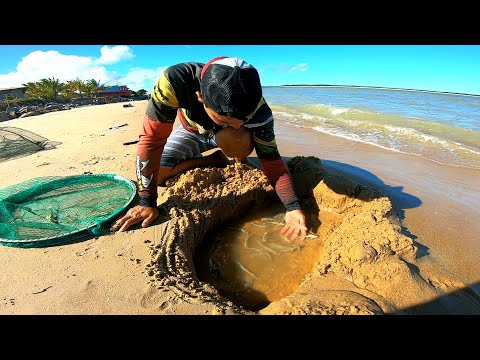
column 405, row 239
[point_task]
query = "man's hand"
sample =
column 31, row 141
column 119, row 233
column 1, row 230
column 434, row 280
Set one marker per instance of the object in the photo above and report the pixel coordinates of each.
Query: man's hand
column 134, row 216
column 295, row 224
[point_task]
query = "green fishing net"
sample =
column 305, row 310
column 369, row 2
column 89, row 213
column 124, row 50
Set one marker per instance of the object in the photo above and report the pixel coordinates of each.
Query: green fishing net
column 51, row 210
column 16, row 142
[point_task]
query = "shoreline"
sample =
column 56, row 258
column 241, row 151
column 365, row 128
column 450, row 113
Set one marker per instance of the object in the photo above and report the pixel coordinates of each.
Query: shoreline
column 422, row 192
column 435, row 203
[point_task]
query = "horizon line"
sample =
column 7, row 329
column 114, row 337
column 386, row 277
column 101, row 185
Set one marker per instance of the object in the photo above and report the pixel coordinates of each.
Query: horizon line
column 378, row 87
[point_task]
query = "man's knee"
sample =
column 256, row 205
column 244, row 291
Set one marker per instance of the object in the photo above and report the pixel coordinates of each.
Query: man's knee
column 164, row 173
column 235, row 143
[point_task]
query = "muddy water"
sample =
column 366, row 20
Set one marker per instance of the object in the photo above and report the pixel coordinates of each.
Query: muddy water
column 252, row 264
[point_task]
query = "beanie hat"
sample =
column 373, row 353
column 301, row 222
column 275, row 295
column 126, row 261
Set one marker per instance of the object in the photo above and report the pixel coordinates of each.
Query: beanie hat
column 231, row 87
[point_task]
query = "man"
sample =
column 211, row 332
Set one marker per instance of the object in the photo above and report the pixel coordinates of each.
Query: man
column 219, row 105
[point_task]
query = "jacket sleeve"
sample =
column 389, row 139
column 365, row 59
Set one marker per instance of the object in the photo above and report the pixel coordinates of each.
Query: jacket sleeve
column 280, row 178
column 157, row 127
column 153, row 137
column 273, row 165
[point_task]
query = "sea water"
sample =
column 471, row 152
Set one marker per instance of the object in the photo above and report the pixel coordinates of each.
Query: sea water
column 442, row 127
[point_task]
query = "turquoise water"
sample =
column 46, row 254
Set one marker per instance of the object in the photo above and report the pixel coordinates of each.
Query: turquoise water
column 442, row 127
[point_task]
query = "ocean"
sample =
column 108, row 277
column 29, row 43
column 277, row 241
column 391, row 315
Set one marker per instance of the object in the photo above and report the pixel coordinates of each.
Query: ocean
column 441, row 127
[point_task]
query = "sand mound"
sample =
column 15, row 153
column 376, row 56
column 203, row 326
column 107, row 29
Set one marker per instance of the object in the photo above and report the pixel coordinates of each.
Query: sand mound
column 198, row 202
column 328, row 302
column 365, row 246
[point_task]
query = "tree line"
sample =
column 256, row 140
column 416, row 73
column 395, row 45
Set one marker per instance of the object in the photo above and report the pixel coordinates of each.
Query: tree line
column 52, row 89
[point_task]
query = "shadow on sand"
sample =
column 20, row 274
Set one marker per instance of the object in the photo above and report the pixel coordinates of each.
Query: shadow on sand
column 464, row 301
column 399, row 199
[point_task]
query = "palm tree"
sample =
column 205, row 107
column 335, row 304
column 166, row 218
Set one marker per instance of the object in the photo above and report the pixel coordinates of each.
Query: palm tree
column 33, row 90
column 93, row 87
column 51, row 88
column 76, row 86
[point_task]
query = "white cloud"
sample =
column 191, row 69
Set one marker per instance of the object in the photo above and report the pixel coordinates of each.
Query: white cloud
column 282, row 68
column 114, row 54
column 47, row 64
column 140, row 78
column 302, row 67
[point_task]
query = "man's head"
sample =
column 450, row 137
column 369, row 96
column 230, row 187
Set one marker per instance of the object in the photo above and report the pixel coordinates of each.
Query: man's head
column 230, row 87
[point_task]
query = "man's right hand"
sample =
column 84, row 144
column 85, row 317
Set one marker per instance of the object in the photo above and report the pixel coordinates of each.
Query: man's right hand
column 133, row 216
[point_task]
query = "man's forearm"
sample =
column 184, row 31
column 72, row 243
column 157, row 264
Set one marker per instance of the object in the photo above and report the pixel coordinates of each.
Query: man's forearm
column 281, row 180
column 153, row 137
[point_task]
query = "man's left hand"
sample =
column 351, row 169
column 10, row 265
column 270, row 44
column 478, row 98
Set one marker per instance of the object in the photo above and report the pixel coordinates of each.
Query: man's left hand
column 295, row 225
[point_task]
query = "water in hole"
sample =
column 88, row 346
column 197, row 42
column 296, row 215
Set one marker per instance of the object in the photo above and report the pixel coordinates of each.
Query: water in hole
column 252, row 264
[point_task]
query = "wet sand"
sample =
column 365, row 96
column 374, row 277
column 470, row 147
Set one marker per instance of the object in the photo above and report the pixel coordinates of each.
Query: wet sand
column 438, row 204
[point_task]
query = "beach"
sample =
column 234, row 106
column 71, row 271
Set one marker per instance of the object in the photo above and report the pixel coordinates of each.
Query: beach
column 435, row 244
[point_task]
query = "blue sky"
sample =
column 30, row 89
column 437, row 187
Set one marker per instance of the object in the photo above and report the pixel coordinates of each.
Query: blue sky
column 453, row 68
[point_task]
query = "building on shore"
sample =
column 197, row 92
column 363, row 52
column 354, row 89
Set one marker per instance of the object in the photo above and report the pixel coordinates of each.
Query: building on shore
column 12, row 92
column 115, row 92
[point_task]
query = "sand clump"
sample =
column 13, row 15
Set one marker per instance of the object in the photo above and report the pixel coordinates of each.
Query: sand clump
column 365, row 247
column 196, row 203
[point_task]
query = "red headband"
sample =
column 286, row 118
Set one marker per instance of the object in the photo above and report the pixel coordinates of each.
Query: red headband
column 208, row 64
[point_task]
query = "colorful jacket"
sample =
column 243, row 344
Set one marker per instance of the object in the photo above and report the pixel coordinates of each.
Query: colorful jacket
column 173, row 95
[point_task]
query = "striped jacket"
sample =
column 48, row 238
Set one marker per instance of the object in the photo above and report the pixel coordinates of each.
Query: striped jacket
column 174, row 95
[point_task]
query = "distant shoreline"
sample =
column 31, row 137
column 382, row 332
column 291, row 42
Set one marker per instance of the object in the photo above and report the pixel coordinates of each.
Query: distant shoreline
column 378, row 87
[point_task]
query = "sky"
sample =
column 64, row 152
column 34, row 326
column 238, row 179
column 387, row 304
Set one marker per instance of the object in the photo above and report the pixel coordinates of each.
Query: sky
column 449, row 68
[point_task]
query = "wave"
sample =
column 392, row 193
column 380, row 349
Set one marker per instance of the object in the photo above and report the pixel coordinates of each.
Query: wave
column 439, row 142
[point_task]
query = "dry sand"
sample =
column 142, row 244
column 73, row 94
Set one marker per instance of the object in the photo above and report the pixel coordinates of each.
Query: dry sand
column 406, row 239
